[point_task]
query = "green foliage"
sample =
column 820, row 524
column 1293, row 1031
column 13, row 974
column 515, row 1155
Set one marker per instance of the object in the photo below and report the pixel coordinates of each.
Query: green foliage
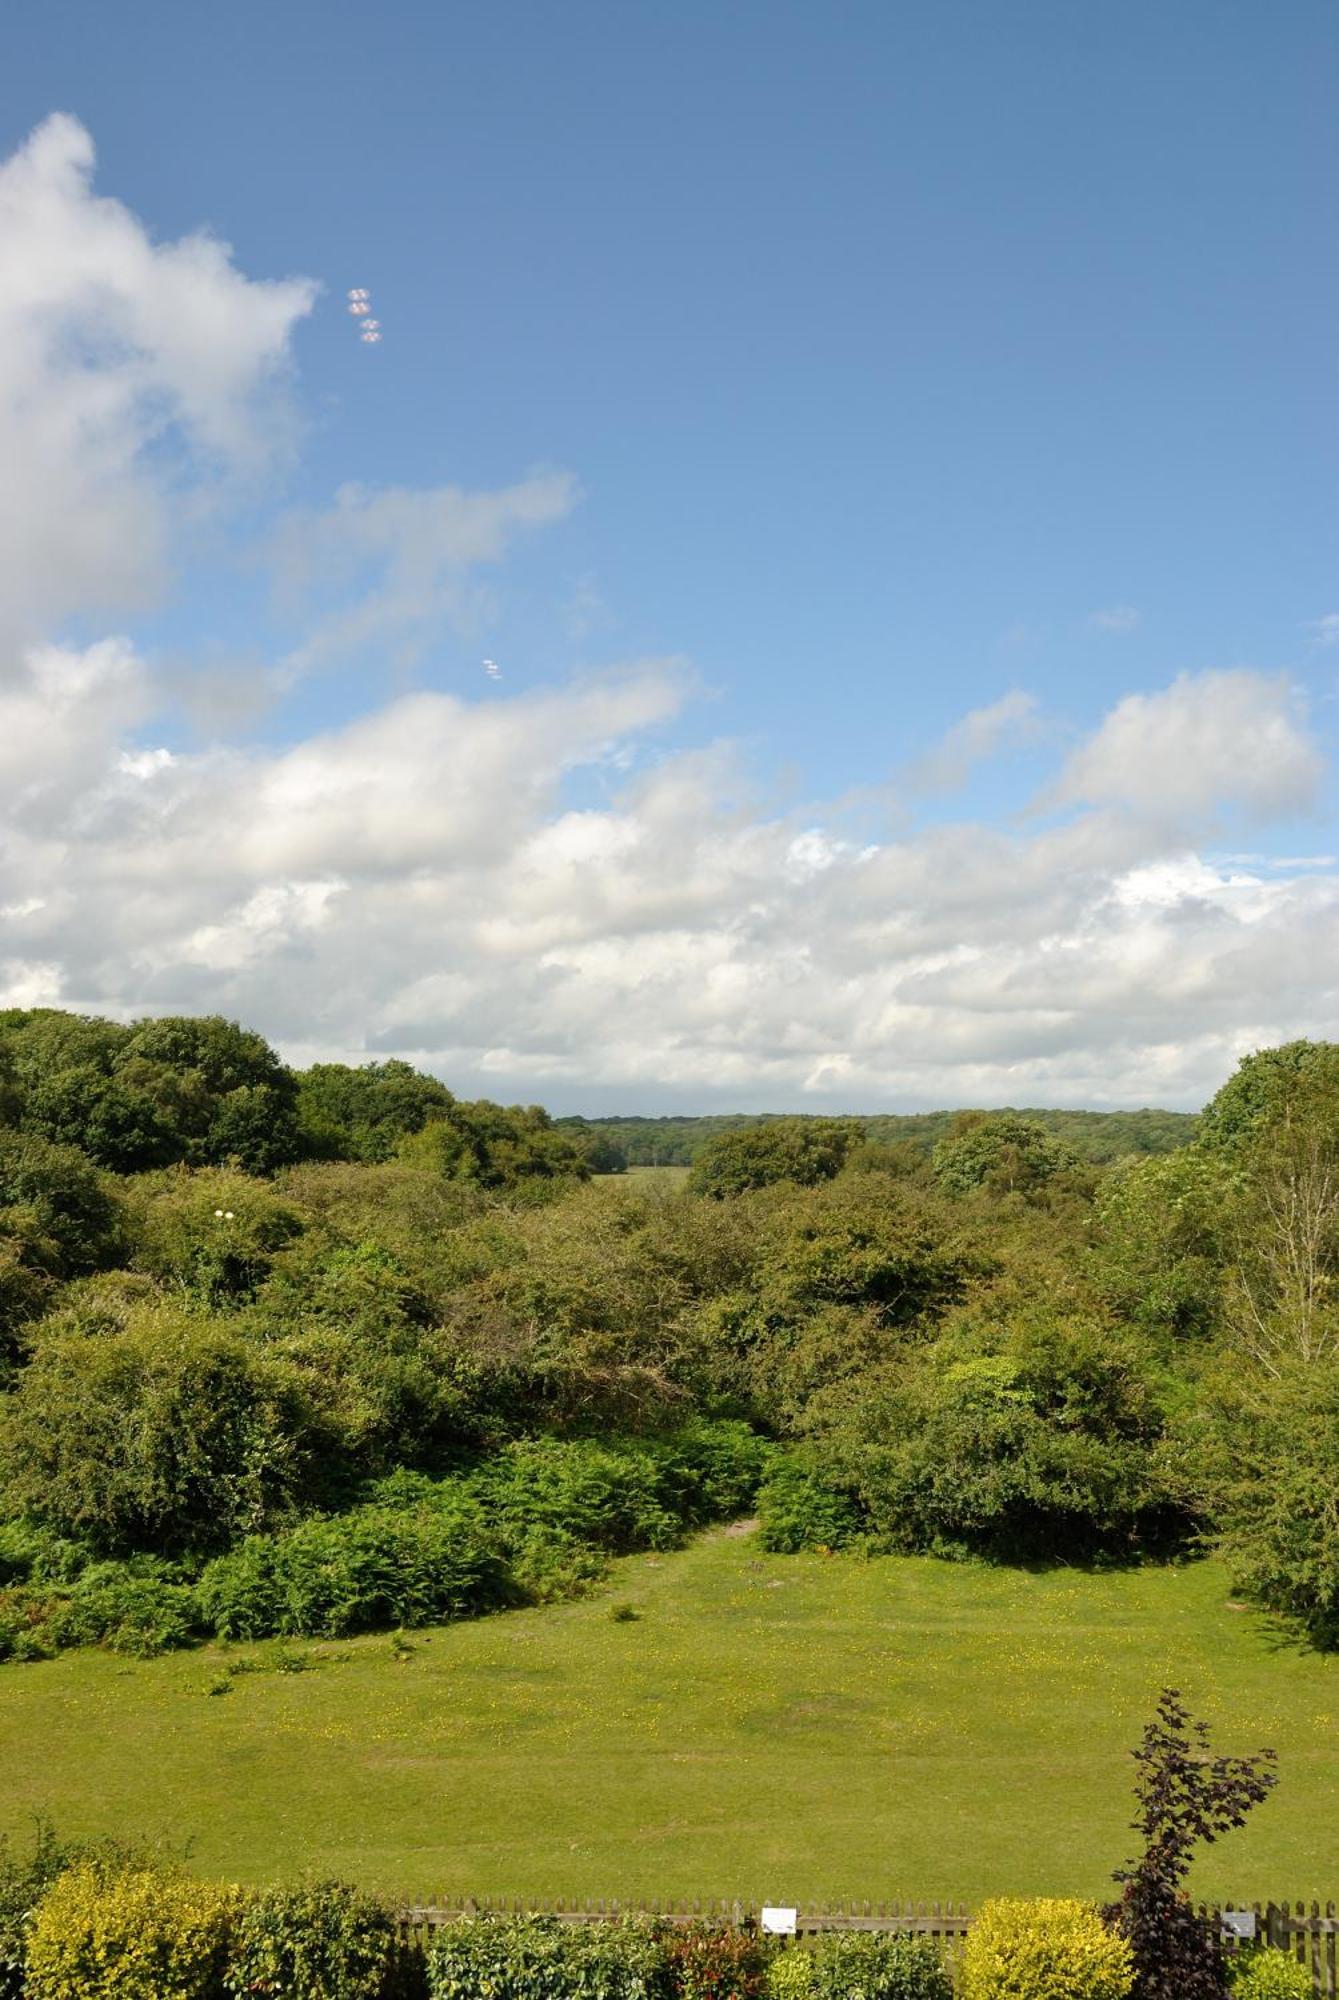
column 201, row 1090
column 1273, row 1471
column 800, row 1508
column 1049, row 1948
column 1048, row 1442
column 167, row 1435
column 861, row 1965
column 1265, row 1086
column 375, row 1566
column 364, row 1113
column 1266, row 1974
column 499, row 1146
column 802, row 1150
column 1000, row 1153
column 57, row 1205
column 1096, row 1136
column 213, row 1236
column 138, row 1934
column 319, row 1941
column 538, row 1958
column 1160, row 1241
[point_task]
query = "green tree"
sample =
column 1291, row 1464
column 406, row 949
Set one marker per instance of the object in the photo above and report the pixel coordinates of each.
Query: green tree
column 803, row 1150
column 1267, row 1085
column 364, row 1113
column 1001, row 1153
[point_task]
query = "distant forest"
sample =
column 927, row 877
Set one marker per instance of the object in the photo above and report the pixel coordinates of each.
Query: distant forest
column 1099, row 1137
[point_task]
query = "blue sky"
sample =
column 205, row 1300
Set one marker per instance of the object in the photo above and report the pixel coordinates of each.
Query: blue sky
column 901, row 361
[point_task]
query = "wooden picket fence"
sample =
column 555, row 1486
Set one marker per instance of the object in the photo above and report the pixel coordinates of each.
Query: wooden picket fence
column 1308, row 1932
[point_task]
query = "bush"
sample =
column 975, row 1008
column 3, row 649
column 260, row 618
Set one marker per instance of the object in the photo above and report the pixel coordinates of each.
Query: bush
column 1269, row 1975
column 137, row 1934
column 325, row 1941
column 538, row 1958
column 170, row 1434
column 374, row 1566
column 1049, row 1948
column 140, row 1607
column 861, row 1965
column 1273, row 1475
column 798, row 1508
column 716, row 1962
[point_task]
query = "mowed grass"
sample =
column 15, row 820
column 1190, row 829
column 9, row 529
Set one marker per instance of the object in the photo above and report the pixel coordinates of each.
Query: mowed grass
column 774, row 1728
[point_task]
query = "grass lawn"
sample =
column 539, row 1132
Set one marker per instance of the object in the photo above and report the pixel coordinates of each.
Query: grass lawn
column 776, row 1728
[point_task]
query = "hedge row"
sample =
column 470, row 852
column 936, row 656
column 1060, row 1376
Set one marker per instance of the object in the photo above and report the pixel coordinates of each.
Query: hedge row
column 103, row 1929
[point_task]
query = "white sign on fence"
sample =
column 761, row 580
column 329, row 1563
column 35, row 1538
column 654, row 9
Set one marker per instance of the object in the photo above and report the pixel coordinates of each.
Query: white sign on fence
column 777, row 1922
column 1238, row 1923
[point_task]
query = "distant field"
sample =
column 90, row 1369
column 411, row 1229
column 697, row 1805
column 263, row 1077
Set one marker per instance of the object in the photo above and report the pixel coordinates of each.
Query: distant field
column 779, row 1728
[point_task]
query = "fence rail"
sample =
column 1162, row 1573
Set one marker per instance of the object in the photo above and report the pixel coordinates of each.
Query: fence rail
column 1306, row 1930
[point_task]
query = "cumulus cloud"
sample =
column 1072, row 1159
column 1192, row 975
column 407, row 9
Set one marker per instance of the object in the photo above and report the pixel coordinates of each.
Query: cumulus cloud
column 1229, row 738
column 981, row 734
column 132, row 373
column 1325, row 631
column 420, row 881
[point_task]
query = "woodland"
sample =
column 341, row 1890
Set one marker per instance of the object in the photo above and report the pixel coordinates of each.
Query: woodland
column 316, row 1352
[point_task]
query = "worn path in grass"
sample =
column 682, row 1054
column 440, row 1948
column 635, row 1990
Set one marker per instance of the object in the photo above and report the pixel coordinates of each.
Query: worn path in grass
column 776, row 1728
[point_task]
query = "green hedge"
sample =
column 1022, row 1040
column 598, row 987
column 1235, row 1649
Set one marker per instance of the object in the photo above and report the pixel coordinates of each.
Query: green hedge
column 538, row 1958
column 861, row 1965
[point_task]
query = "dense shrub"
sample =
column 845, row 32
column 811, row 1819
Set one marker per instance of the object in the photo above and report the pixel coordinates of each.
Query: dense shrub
column 716, row 1962
column 800, row 1508
column 1048, row 1446
column 861, row 1965
column 213, row 1236
column 140, row 1607
column 1274, row 1473
column 538, row 1958
column 1264, row 1974
column 1043, row 1949
column 374, row 1566
column 137, row 1934
column 321, row 1941
column 61, row 1214
column 168, row 1435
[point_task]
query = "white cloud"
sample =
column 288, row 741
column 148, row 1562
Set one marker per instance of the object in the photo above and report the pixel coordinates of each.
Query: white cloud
column 981, row 734
column 1116, row 618
column 416, row 881
column 1229, row 739
column 132, row 375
